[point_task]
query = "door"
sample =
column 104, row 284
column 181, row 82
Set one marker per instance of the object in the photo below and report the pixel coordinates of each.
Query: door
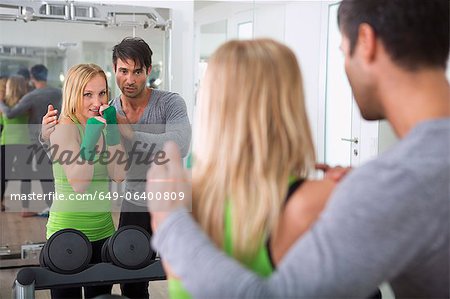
column 348, row 139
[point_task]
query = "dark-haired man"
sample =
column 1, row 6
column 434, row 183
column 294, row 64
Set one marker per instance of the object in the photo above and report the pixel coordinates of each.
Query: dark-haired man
column 35, row 104
column 389, row 219
column 24, row 72
column 157, row 117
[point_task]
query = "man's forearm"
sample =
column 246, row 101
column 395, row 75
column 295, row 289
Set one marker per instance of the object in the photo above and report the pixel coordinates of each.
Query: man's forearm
column 20, row 108
column 185, row 247
column 350, row 251
column 143, row 141
column 207, row 272
column 4, row 108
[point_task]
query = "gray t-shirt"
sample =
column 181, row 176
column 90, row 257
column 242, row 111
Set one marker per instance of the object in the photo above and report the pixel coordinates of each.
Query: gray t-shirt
column 387, row 221
column 35, row 103
column 164, row 119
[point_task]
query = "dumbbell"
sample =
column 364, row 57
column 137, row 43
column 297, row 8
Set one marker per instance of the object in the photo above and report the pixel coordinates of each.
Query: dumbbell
column 128, row 248
column 67, row 251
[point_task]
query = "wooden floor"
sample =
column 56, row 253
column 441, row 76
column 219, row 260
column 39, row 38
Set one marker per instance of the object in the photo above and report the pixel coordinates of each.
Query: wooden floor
column 16, row 230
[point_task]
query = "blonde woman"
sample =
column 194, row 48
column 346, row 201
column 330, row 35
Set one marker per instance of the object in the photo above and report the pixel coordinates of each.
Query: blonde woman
column 82, row 149
column 253, row 153
column 15, row 141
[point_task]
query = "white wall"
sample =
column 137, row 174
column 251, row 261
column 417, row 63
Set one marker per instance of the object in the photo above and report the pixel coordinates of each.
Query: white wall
column 303, row 32
column 269, row 21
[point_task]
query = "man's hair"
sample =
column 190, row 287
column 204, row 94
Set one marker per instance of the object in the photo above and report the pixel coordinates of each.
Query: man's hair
column 133, row 48
column 39, row 72
column 24, row 72
column 415, row 33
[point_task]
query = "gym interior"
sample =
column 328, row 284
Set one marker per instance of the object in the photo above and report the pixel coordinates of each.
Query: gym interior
column 182, row 36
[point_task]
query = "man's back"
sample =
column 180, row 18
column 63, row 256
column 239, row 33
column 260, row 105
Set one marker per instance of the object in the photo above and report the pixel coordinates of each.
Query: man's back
column 402, row 201
column 386, row 221
column 39, row 101
column 425, row 155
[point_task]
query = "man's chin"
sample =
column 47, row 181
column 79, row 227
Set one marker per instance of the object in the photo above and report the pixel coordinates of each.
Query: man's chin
column 130, row 95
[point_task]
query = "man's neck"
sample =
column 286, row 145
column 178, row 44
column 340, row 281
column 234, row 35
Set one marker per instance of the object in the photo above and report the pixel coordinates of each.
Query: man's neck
column 136, row 103
column 411, row 98
column 40, row 84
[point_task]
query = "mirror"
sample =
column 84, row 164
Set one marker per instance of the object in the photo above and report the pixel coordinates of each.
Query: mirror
column 60, row 35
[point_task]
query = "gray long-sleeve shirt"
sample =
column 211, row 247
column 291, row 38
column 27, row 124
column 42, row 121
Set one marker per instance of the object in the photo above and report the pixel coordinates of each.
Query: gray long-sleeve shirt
column 164, row 119
column 34, row 103
column 388, row 220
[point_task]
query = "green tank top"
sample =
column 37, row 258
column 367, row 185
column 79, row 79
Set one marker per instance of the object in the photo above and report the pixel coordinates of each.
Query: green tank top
column 260, row 263
column 15, row 130
column 92, row 216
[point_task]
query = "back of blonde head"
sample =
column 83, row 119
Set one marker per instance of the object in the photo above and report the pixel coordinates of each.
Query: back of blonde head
column 16, row 88
column 76, row 80
column 253, row 133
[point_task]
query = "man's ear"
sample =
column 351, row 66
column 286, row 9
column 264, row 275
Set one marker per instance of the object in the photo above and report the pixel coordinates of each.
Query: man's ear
column 367, row 42
column 149, row 70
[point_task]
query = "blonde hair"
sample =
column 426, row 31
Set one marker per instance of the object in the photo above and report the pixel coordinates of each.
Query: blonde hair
column 253, row 134
column 3, row 87
column 76, row 80
column 16, row 88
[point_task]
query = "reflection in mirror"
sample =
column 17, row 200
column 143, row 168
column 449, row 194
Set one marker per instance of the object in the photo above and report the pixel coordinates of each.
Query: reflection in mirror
column 23, row 44
column 33, row 32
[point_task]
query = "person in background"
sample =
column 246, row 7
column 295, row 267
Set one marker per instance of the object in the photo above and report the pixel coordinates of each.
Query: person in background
column 15, row 142
column 35, row 105
column 24, row 72
column 82, row 135
column 388, row 220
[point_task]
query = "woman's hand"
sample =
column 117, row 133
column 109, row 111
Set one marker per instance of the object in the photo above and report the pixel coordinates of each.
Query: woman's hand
column 169, row 177
column 336, row 173
column 49, row 121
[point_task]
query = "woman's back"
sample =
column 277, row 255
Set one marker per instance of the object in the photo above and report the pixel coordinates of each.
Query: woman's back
column 253, row 138
column 15, row 130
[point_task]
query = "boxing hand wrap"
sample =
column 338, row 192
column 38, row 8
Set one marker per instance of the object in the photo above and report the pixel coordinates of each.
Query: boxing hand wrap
column 112, row 129
column 92, row 133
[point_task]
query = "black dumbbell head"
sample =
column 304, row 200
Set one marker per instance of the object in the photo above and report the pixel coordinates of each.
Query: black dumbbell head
column 68, row 251
column 129, row 247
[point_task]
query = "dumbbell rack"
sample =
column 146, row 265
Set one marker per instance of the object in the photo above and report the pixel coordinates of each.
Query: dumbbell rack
column 36, row 278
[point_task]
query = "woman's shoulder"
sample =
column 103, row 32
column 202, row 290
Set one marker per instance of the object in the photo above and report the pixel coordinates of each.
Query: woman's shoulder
column 315, row 187
column 310, row 197
column 66, row 121
column 64, row 131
